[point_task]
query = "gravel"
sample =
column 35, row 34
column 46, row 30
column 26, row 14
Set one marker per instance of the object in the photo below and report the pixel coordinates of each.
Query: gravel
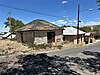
column 41, row 64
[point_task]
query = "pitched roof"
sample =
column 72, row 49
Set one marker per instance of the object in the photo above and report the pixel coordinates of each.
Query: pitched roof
column 89, row 33
column 71, row 31
column 38, row 25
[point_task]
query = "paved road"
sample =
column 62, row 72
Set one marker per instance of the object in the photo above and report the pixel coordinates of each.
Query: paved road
column 76, row 51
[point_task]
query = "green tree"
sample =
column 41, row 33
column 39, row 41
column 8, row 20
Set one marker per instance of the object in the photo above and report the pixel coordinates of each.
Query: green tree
column 13, row 23
column 86, row 29
column 98, row 1
column 97, row 29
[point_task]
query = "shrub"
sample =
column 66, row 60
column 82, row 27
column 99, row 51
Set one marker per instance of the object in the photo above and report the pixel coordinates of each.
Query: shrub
column 49, row 45
column 13, row 39
column 41, row 46
column 59, row 46
column 45, row 46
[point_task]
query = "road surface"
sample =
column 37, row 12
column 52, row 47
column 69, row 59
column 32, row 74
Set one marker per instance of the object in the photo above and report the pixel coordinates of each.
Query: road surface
column 75, row 51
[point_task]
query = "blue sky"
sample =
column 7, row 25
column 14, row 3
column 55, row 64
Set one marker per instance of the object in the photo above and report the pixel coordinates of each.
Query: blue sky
column 65, row 10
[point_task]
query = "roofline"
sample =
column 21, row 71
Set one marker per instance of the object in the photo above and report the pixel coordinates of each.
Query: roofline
column 55, row 28
column 37, row 30
column 73, row 34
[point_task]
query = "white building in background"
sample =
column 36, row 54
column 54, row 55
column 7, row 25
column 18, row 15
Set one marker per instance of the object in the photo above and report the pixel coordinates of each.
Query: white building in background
column 8, row 35
column 70, row 34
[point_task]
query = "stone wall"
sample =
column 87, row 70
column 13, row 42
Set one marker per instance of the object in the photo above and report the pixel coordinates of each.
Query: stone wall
column 26, row 37
column 81, row 38
column 73, row 38
column 58, row 36
column 30, row 38
column 70, row 38
column 40, row 37
column 90, row 38
column 18, row 36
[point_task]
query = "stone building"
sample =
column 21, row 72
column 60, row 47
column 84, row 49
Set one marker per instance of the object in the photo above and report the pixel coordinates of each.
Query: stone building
column 70, row 34
column 89, row 37
column 39, row 32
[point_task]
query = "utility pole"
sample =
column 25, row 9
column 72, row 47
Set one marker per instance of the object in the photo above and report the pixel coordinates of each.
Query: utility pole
column 78, row 20
column 10, row 22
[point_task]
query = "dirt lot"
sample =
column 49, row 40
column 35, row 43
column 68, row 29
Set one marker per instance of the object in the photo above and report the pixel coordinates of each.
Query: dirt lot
column 17, row 59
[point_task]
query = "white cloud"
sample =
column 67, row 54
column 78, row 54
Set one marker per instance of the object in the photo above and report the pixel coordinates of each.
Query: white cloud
column 75, row 21
column 69, row 23
column 64, row 22
column 64, row 2
column 90, row 23
column 97, row 18
column 52, row 22
column 60, row 22
column 4, row 29
column 66, row 17
column 72, row 21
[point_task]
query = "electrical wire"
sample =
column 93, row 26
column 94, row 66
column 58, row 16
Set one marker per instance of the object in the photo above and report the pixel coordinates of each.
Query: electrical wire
column 30, row 11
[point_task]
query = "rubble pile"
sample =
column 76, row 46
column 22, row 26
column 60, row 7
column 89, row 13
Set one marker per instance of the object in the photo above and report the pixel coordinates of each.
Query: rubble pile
column 41, row 64
column 91, row 64
column 96, row 54
column 3, row 67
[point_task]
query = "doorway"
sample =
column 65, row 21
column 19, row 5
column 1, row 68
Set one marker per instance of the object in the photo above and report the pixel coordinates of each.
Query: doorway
column 51, row 37
column 21, row 34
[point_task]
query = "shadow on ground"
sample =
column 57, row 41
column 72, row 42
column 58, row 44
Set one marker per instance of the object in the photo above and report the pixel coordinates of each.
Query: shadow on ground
column 41, row 64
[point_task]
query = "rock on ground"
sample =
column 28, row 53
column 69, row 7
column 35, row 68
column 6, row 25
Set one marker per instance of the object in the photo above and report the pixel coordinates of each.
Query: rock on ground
column 41, row 64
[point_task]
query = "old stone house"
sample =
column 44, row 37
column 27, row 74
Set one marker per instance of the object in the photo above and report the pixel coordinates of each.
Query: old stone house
column 70, row 34
column 89, row 37
column 39, row 32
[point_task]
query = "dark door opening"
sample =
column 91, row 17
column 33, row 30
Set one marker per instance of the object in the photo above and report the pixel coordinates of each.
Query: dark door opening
column 51, row 37
column 21, row 37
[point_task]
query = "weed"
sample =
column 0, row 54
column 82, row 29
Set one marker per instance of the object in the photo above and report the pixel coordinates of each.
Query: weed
column 13, row 39
column 59, row 47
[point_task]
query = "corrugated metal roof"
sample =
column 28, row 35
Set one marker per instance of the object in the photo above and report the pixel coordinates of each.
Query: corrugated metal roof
column 38, row 25
column 71, row 31
column 89, row 33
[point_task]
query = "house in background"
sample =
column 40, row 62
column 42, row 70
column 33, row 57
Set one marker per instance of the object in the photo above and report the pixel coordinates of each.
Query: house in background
column 39, row 32
column 89, row 37
column 8, row 35
column 70, row 34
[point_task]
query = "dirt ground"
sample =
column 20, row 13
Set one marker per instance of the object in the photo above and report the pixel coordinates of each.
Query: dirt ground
column 13, row 62
column 10, row 47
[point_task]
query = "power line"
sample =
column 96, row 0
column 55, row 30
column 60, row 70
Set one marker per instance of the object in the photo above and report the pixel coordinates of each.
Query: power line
column 31, row 11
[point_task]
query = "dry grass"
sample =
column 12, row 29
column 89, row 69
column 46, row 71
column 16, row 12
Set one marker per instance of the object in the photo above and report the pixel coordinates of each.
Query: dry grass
column 73, row 45
column 7, row 44
column 9, row 47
